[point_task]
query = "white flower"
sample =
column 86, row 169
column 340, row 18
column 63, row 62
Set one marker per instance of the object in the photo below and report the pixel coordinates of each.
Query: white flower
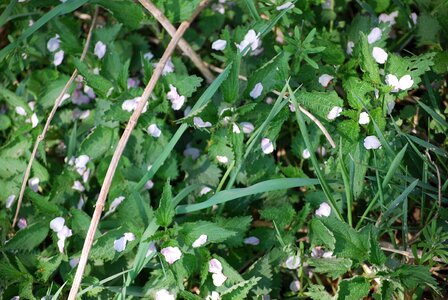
column 54, row 43
column 80, row 164
column 321, row 151
column 294, row 286
column 20, row 110
column 235, row 128
column 149, row 184
column 22, row 223
column 177, row 101
column 306, row 154
column 404, row 83
column 154, row 130
column 324, row 210
column 325, row 79
column 293, row 262
column 171, row 254
column 250, row 39
column 200, row 123
column 58, row 57
column 100, row 49
column 247, row 127
column 214, row 266
column 379, row 55
column 377, row 93
column 213, row 296
column 81, row 203
column 414, row 18
column 61, row 244
column 286, row 5
column 73, row 262
column 219, row 45
column 256, row 91
column 385, row 18
column 374, row 35
column 371, row 142
column 350, row 46
column 113, row 206
column 131, row 104
column 33, row 183
column 205, row 190
column 57, row 224
column 252, row 240
column 148, row 55
column 64, row 233
column 364, row 118
column 10, row 200
column 327, row 254
column 222, row 159
column 218, row 279
column 89, row 91
column 77, row 186
column 164, row 295
column 200, row 241
column 120, row 244
column 151, row 249
column 168, row 68
column 192, row 152
column 33, row 120
column 266, row 146
column 334, row 113
column 269, row 100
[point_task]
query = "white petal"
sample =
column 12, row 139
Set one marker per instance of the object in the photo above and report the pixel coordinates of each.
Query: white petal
column 374, row 35
column 205, row 190
column 61, row 244
column 364, row 118
column 371, row 142
column 22, row 223
column 73, row 262
column 292, row 108
column 219, row 45
column 236, row 129
column 64, row 233
column 58, row 57
column 321, row 151
column 33, row 183
column 379, row 55
column 219, row 279
column 10, row 200
column 325, row 79
column 129, row 105
column 247, row 127
column 177, row 101
column 405, row 82
column 252, row 240
column 149, row 184
column 294, row 286
column 213, row 296
column 327, row 254
column 151, row 249
column 77, row 186
column 81, row 203
column 154, row 131
column 350, row 46
column 266, row 146
column 53, row 43
column 129, row 236
column 117, row 201
column 250, row 39
column 214, row 266
column 414, row 18
column 334, row 113
column 148, row 56
column 20, row 110
column 392, row 81
column 80, row 163
column 293, row 262
column 164, row 295
column 171, row 254
column 306, row 154
column 256, row 91
column 168, row 68
column 200, row 123
column 286, row 5
column 57, row 224
column 324, row 210
column 390, row 107
column 200, row 241
column 222, row 159
column 120, row 244
column 100, row 49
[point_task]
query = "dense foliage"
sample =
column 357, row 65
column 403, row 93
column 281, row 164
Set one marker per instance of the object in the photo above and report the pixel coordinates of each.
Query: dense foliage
column 228, row 189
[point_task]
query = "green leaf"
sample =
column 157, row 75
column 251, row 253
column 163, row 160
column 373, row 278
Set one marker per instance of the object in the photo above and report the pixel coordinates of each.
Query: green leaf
column 47, row 266
column 42, row 203
column 240, row 290
column 412, row 276
column 215, row 233
column 282, row 215
column 368, row 63
column 98, row 142
column 125, row 11
column 28, row 238
column 355, row 87
column 318, row 292
column 102, row 87
column 353, row 289
column 186, row 85
column 320, row 235
column 319, row 103
column 165, row 213
column 230, row 87
column 334, row 267
column 428, row 30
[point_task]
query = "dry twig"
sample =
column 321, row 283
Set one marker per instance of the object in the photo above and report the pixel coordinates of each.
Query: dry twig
column 99, row 206
column 183, row 44
column 57, row 102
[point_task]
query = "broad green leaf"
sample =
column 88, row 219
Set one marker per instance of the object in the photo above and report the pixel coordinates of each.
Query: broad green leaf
column 165, row 213
column 368, row 64
column 28, row 238
column 102, row 87
column 353, row 289
column 334, row 267
column 214, row 232
column 125, row 11
column 98, row 143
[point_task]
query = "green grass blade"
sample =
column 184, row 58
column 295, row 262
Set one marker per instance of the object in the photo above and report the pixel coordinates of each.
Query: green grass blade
column 252, row 10
column 394, row 166
column 58, row 292
column 347, row 187
column 101, row 282
column 433, row 114
column 4, row 16
column 261, row 187
column 185, row 192
column 400, row 199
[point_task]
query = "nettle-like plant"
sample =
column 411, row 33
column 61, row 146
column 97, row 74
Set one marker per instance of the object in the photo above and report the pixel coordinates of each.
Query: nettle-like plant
column 262, row 150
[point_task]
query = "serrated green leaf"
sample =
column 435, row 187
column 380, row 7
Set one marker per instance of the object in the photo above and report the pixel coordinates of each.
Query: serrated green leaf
column 99, row 84
column 165, row 213
column 97, row 143
column 214, row 232
column 353, row 289
column 320, row 235
column 125, row 11
column 368, row 64
column 334, row 267
column 28, row 238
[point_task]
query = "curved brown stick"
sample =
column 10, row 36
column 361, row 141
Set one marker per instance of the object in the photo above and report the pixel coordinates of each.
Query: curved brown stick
column 183, row 44
column 120, row 148
column 57, row 102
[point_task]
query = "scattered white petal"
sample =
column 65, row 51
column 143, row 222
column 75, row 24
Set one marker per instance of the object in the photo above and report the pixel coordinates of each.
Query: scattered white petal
column 64, row 233
column 256, row 91
column 133, row 83
column 80, row 163
column 325, row 79
column 58, row 58
column 219, row 45
column 187, row 111
column 389, row 19
column 213, row 296
column 292, row 108
column 168, row 68
column 266, row 146
column 22, row 223
column 306, row 154
column 148, row 55
column 154, row 131
column 334, row 113
column 286, row 5
column 247, row 127
column 293, row 262
column 61, row 244
column 10, row 200
column 222, row 159
column 405, row 82
column 77, row 186
column 177, row 101
column 377, row 93
column 350, row 46
column 252, row 240
column 414, row 18
column 81, row 203
column 364, row 118
column 54, row 43
column 100, row 49
column 324, row 210
column 205, row 190
column 379, row 55
column 131, row 104
column 192, row 152
column 200, row 123
column 321, row 151
column 374, row 35
column 120, row 244
column 57, row 224
column 200, row 241
column 149, row 184
column 171, row 254
column 294, row 286
column 164, row 295
column 372, row 142
column 219, row 279
column 392, row 81
column 33, row 183
column 214, row 266
column 73, row 262
column 250, row 39
column 269, row 100
column 327, row 254
column 115, row 203
column 236, row 129
column 20, row 110
column 390, row 107
column 151, row 249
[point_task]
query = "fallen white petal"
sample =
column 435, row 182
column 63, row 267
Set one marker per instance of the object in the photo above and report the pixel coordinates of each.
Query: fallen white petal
column 325, row 79
column 148, row 56
column 22, row 223
column 219, row 45
column 58, row 58
column 10, row 200
column 256, row 91
column 214, row 266
column 151, row 249
column 177, row 101
column 200, row 241
column 219, row 279
column 250, row 39
column 236, row 129
column 222, row 159
column 374, row 35
column 392, row 81
column 57, row 224
column 204, row 190
column 266, row 146
column 100, row 49
column 20, row 110
column 306, row 154
column 294, row 286
column 154, row 131
column 286, row 5
column 247, row 127
column 73, row 262
column 53, row 43
column 77, row 186
column 405, row 82
column 324, row 210
column 171, row 254
column 200, row 123
column 149, row 184
column 379, row 55
column 164, row 295
column 33, row 183
column 64, row 233
column 350, row 46
column 293, row 262
column 364, row 118
column 372, row 142
column 334, row 113
column 252, row 240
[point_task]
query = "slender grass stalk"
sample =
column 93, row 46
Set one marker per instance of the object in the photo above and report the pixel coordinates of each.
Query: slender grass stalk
column 347, row 186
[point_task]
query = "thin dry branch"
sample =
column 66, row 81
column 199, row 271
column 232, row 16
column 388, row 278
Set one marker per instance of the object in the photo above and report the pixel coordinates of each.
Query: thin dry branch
column 183, row 44
column 99, row 206
column 57, row 102
column 302, row 109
